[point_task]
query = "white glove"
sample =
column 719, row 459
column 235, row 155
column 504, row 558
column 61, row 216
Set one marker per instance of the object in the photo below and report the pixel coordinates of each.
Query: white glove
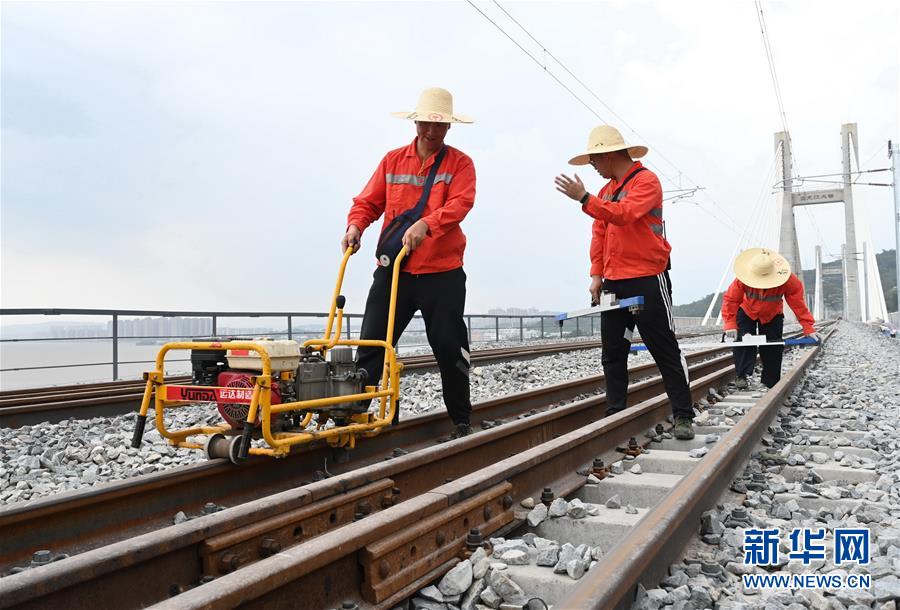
column 815, row 337
column 731, row 334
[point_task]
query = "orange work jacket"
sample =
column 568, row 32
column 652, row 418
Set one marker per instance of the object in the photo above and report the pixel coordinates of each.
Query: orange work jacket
column 628, row 239
column 396, row 186
column 765, row 304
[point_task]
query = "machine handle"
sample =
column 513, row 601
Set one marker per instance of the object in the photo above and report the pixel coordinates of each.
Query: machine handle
column 139, row 424
column 244, row 450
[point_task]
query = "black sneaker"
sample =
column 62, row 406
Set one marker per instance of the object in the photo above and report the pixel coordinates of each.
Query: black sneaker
column 461, row 431
column 741, row 383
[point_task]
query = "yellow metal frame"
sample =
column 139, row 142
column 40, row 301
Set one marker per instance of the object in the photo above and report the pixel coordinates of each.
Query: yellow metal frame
column 280, row 443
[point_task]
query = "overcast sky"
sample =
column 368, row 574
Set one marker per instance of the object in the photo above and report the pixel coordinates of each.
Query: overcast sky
column 204, row 156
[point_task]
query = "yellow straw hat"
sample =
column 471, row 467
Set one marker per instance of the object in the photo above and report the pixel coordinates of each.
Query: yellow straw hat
column 761, row 268
column 604, row 139
column 435, row 106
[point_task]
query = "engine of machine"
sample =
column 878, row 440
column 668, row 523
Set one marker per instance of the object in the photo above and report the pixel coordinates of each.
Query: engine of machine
column 297, row 375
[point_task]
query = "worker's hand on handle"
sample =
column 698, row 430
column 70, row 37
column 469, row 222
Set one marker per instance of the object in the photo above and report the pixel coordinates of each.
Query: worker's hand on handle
column 414, row 235
column 814, row 336
column 596, row 286
column 573, row 189
column 731, row 334
column 351, row 238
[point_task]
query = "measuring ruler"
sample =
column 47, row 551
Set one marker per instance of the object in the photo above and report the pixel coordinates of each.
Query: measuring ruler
column 608, row 302
column 744, row 343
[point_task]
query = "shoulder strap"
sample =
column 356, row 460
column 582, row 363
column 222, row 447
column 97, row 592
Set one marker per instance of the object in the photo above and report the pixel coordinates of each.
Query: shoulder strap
column 627, row 179
column 416, row 212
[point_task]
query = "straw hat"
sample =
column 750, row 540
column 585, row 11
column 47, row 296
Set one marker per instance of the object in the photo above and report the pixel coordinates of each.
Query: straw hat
column 435, row 106
column 761, row 268
column 604, row 139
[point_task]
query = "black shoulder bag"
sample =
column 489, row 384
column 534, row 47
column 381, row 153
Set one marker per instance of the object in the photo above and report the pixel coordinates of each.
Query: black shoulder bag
column 391, row 240
column 627, row 179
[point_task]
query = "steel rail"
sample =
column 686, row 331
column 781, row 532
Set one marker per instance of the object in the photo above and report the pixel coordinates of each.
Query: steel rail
column 384, row 558
column 646, row 552
column 76, row 521
column 175, row 558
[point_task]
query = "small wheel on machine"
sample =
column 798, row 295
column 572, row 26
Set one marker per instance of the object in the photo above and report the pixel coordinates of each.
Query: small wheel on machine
column 234, row 450
column 212, row 446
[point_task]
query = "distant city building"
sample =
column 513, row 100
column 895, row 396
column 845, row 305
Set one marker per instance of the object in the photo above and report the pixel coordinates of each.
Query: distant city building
column 163, row 328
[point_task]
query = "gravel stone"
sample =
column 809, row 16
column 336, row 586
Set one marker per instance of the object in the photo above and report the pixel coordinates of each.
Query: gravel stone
column 537, row 515
column 576, row 568
column 490, row 598
column 567, row 553
column 515, row 558
column 506, row 588
column 457, row 580
column 432, row 593
column 577, row 509
column 548, row 556
column 558, row 507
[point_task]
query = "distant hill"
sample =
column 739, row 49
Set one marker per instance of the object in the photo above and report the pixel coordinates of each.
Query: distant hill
column 831, row 286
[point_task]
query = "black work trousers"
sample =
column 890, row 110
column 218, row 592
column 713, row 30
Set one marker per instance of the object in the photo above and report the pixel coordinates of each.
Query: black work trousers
column 441, row 297
column 745, row 357
column 657, row 330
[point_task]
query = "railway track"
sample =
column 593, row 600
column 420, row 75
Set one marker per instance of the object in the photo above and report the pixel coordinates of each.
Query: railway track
column 489, row 473
column 380, row 561
column 82, row 401
column 79, row 521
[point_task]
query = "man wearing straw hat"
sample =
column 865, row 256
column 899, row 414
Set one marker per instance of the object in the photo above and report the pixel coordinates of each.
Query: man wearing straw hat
column 754, row 302
column 629, row 258
column 432, row 279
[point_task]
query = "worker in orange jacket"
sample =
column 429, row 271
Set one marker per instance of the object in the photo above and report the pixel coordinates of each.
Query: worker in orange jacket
column 754, row 302
column 432, row 278
column 630, row 258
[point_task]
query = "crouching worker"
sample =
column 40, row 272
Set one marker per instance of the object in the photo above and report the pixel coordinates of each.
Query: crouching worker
column 435, row 184
column 753, row 304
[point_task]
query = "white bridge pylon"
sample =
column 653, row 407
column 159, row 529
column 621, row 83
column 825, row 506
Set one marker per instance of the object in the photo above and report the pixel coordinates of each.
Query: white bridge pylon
column 863, row 300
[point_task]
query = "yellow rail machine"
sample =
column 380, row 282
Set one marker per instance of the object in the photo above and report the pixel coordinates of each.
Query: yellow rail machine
column 280, row 391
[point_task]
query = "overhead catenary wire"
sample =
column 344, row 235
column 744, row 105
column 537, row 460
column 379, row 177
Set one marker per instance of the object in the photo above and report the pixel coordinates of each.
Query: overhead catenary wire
column 771, row 61
column 770, row 57
column 730, row 223
column 750, row 228
column 615, row 114
column 856, row 173
column 802, row 180
column 538, row 62
column 586, row 87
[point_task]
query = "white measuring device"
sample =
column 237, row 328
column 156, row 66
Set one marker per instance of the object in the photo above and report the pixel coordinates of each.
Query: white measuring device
column 747, row 340
column 608, row 302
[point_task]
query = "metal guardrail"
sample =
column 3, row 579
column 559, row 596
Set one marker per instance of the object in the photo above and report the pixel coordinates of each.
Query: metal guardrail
column 481, row 328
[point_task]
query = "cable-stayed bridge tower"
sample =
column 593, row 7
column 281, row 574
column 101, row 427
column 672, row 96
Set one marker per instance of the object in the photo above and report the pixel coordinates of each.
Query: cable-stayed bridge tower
column 787, row 242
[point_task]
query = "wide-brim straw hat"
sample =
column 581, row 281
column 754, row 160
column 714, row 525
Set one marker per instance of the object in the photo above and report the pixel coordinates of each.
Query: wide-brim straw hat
column 761, row 268
column 604, row 139
column 435, row 106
